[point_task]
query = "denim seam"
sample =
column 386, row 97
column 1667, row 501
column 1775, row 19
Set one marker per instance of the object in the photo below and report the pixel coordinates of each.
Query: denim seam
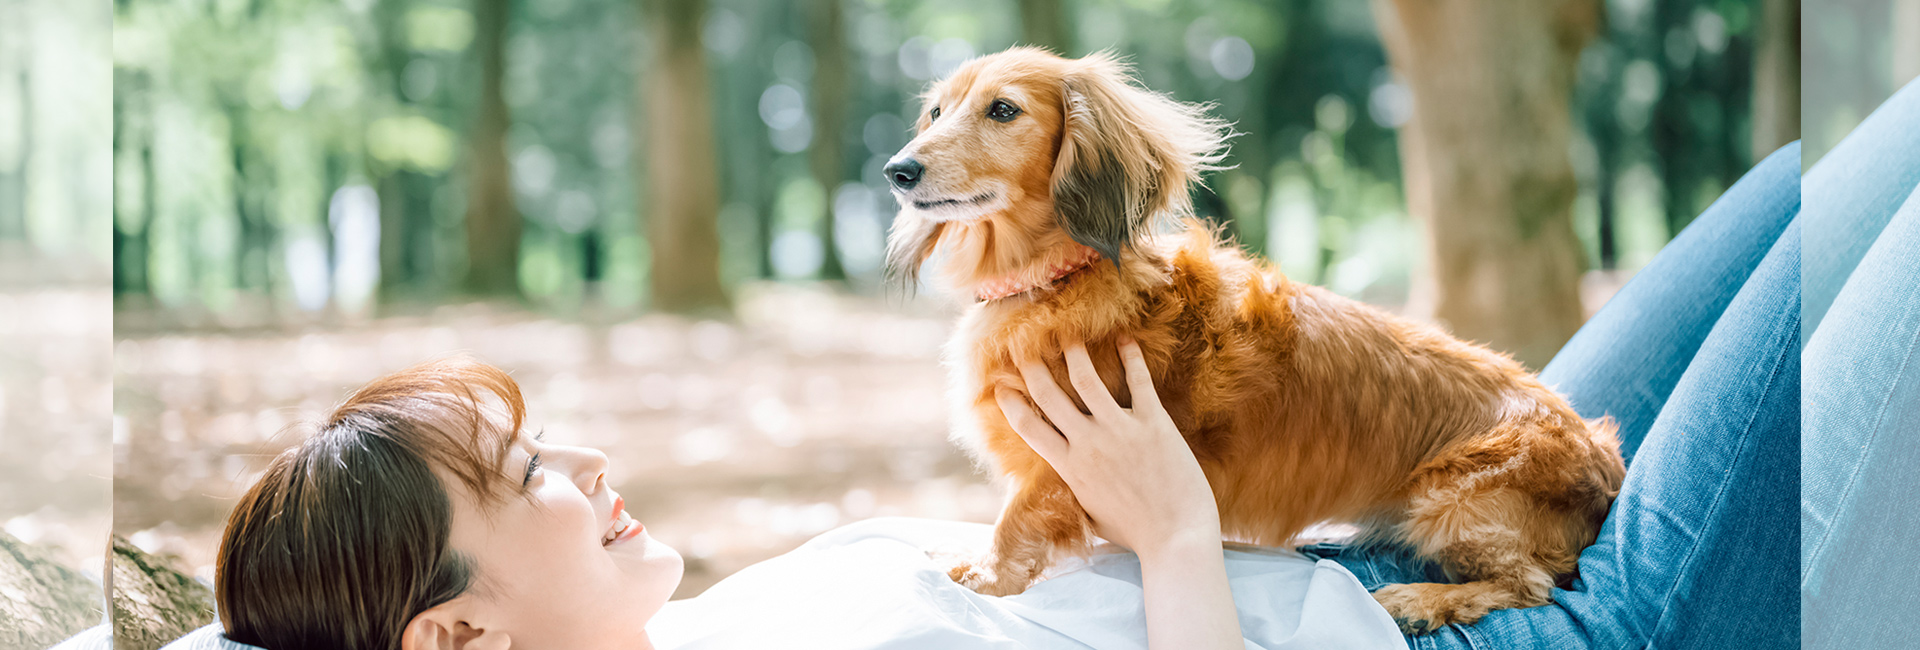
column 1773, row 376
column 1467, row 632
column 1853, row 478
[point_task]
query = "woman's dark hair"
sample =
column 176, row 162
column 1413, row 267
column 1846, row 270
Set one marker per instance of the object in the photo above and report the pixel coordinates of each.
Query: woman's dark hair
column 347, row 536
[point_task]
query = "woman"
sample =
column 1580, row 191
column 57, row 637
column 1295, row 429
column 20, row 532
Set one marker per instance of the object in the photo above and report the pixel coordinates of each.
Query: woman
column 420, row 515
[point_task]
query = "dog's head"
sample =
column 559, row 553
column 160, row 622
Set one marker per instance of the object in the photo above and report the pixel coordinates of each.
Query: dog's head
column 1021, row 154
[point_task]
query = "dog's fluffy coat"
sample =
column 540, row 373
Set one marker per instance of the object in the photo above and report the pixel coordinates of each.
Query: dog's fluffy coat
column 1300, row 405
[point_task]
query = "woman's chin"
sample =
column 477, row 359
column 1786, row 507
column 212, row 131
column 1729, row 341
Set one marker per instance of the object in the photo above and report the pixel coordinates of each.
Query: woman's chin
column 654, row 568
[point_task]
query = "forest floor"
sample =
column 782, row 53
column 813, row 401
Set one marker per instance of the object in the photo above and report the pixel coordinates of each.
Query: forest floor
column 733, row 441
column 55, row 399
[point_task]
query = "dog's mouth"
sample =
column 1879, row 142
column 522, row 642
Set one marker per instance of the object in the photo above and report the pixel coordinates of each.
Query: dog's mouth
column 935, row 204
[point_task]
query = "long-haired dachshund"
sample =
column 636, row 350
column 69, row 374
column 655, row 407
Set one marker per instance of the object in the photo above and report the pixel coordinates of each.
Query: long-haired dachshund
column 1038, row 179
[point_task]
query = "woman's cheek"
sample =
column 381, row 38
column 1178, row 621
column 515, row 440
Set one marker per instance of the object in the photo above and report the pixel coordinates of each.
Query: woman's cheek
column 568, row 510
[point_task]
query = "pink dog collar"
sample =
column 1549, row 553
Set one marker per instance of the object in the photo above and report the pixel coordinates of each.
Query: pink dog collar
column 1008, row 286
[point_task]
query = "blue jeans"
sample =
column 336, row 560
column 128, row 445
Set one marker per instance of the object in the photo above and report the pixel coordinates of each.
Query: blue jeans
column 1860, row 512
column 1698, row 358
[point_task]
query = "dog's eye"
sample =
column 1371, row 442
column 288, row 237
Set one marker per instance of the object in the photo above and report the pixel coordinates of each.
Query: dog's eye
column 934, row 114
column 1001, row 111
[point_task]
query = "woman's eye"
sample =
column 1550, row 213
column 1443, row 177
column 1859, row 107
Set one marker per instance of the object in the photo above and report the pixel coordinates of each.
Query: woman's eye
column 533, row 465
column 934, row 114
column 1001, row 111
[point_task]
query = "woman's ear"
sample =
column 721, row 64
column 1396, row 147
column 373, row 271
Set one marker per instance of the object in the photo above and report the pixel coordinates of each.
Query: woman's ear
column 1126, row 154
column 444, row 627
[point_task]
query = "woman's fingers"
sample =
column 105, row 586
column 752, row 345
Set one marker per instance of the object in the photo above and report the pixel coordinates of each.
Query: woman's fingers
column 1047, row 394
column 1039, row 435
column 1139, row 379
column 1086, row 381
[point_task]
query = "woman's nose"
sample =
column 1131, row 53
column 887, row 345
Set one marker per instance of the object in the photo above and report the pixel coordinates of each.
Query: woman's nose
column 587, row 467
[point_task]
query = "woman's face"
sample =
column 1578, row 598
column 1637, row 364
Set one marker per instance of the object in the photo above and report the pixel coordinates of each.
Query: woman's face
column 562, row 566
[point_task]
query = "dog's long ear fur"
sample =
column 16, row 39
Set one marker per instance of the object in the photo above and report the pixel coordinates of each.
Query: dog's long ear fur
column 910, row 241
column 1126, row 155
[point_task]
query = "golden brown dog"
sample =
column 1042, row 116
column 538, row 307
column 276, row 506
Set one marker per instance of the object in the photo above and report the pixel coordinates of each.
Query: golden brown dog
column 1039, row 178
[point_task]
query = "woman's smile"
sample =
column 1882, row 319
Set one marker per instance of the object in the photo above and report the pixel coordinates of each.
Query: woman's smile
column 623, row 528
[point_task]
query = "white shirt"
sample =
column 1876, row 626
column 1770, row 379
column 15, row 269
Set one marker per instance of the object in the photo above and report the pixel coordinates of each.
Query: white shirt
column 871, row 585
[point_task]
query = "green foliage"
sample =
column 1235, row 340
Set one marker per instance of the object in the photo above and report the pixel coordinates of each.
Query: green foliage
column 241, row 122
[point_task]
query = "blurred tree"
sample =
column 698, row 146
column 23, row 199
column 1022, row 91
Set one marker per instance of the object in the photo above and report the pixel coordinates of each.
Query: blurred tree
column 17, row 93
column 1044, row 23
column 1776, row 76
column 132, row 144
column 1906, row 42
column 683, row 193
column 832, row 92
column 1485, row 161
column 407, row 253
column 493, row 223
column 741, row 75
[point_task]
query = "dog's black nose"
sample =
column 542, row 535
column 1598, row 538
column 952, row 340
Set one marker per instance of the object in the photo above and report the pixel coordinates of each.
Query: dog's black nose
column 903, row 174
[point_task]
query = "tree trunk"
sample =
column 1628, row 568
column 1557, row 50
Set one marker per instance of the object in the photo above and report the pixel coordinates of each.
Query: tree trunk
column 1776, row 77
column 831, row 91
column 1485, row 161
column 493, row 224
column 683, row 195
column 1044, row 23
column 407, row 248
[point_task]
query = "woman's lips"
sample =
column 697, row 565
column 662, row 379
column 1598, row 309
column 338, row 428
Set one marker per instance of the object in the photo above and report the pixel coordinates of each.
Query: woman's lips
column 632, row 532
column 633, row 528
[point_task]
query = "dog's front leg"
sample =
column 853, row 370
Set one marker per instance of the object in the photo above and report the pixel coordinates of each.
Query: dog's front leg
column 1041, row 516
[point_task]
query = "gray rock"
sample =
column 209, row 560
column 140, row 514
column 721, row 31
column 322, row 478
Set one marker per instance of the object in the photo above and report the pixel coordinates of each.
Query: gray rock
column 153, row 603
column 41, row 601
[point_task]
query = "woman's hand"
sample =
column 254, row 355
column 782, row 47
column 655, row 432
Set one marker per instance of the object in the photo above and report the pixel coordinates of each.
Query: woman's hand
column 1129, row 468
column 1140, row 483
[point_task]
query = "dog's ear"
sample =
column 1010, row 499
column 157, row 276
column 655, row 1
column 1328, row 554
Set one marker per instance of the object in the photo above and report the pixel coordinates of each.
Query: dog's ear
column 1126, row 155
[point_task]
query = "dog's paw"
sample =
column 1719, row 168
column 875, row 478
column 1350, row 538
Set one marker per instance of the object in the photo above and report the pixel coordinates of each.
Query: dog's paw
column 976, row 574
column 1424, row 608
column 968, row 574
